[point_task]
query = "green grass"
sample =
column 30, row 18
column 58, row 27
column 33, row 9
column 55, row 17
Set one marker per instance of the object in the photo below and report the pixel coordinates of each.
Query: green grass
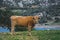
column 36, row 35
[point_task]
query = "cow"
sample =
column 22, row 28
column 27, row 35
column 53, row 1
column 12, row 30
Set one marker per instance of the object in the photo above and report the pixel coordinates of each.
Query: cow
column 25, row 21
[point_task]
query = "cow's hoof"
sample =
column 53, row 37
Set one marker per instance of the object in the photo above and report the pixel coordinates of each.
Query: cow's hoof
column 29, row 34
column 12, row 34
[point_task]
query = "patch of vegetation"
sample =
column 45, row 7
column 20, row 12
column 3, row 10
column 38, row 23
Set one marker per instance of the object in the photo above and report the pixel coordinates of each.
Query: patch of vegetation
column 36, row 35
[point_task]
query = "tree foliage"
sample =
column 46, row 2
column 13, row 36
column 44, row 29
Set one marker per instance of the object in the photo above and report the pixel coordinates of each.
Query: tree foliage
column 50, row 8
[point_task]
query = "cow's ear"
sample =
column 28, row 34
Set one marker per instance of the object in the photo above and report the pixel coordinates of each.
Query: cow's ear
column 33, row 17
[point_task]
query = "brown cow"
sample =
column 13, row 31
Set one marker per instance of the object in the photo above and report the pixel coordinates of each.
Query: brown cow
column 26, row 21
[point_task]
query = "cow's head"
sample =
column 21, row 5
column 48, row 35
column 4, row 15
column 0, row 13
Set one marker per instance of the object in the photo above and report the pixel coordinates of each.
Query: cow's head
column 36, row 19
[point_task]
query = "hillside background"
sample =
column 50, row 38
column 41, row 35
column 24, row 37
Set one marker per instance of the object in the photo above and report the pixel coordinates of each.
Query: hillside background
column 49, row 8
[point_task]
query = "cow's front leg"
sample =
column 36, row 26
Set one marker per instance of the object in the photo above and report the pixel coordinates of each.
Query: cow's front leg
column 12, row 28
column 29, row 30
